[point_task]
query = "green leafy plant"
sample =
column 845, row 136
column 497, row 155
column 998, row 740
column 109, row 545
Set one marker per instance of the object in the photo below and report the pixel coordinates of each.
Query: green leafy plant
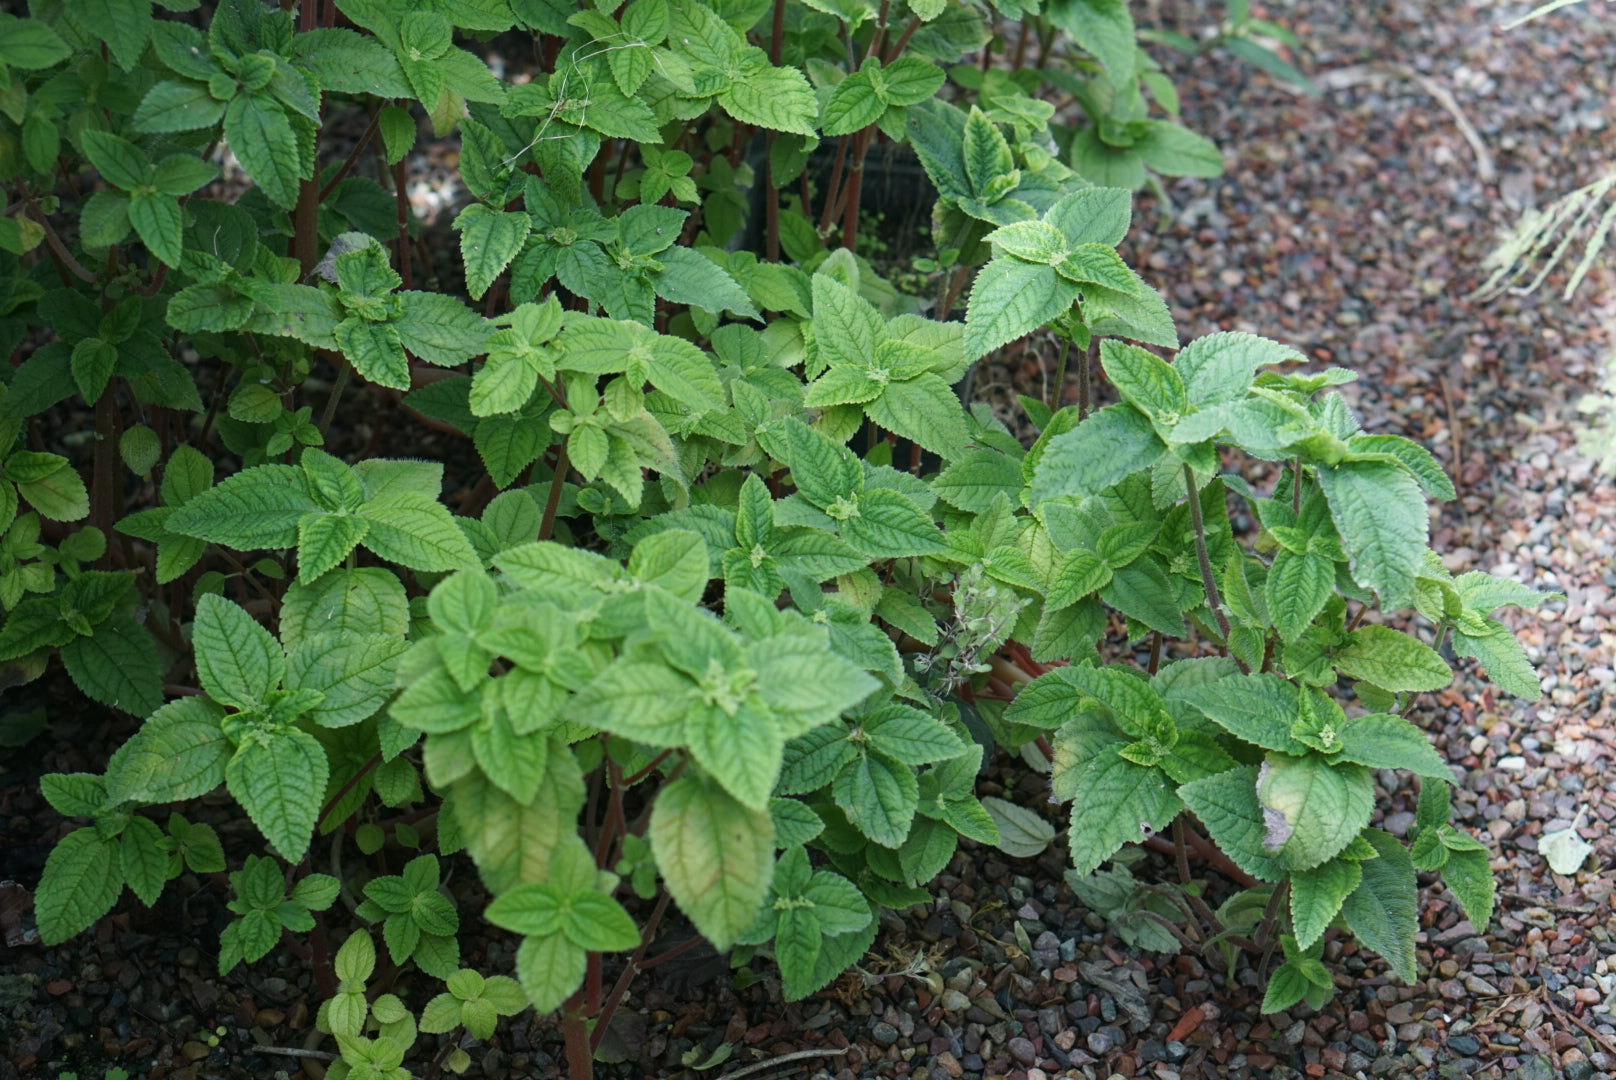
column 736, row 598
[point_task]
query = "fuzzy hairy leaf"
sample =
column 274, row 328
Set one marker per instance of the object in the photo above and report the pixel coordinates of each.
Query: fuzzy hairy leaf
column 1312, row 807
column 237, row 660
column 1382, row 911
column 1105, row 448
column 256, row 508
column 82, row 879
column 1380, row 513
column 1115, row 802
column 1316, row 896
column 1227, row 805
column 1392, row 660
column 279, row 778
column 716, row 856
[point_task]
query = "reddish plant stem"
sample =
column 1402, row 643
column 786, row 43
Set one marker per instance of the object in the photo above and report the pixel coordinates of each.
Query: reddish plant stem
column 331, row 804
column 442, row 1056
column 353, row 156
column 903, row 39
column 620, row 988
column 612, row 827
column 106, row 493
column 956, row 284
column 553, row 501
column 833, row 191
column 1021, row 45
column 855, row 187
column 1085, row 378
column 575, row 1036
column 650, row 768
column 403, row 223
column 771, row 194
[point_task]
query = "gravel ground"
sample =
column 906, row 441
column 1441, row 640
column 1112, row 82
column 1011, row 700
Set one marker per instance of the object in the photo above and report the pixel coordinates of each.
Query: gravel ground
column 1353, row 226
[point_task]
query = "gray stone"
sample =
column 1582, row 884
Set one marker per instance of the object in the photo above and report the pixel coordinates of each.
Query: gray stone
column 883, row 1033
column 1023, row 1051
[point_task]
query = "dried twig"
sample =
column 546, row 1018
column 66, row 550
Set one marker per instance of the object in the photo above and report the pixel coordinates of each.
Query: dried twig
column 1362, row 73
column 292, row 1051
column 783, row 1059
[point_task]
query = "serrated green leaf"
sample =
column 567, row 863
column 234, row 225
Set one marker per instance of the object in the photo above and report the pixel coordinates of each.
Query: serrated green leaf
column 513, row 843
column 1390, row 742
column 143, row 859
column 1297, row 589
column 256, row 508
column 1392, row 660
column 773, row 98
column 1114, row 801
column 179, row 753
column 1104, row 29
column 58, row 494
column 976, row 479
column 353, row 671
column 1227, row 805
column 279, row 778
column 1503, row 658
column 1023, row 834
column 30, row 44
column 925, row 411
column 598, row 923
column 1380, row 513
column 117, row 666
column 368, row 600
column 550, row 969
column 1316, row 896
column 879, row 796
column 489, row 240
column 1313, row 807
column 237, row 660
column 1012, row 297
column 82, row 879
column 888, row 525
column 1108, row 446
column 1470, row 877
column 1382, row 911
column 262, row 139
column 413, row 530
column 1411, row 456
column 1218, row 368
column 716, row 856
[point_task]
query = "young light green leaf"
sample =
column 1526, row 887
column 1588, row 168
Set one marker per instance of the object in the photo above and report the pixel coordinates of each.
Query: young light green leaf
column 550, row 969
column 178, row 754
column 279, row 778
column 256, row 508
column 413, row 530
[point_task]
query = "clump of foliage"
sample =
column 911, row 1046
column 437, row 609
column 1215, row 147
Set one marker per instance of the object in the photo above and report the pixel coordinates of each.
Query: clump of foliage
column 678, row 642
